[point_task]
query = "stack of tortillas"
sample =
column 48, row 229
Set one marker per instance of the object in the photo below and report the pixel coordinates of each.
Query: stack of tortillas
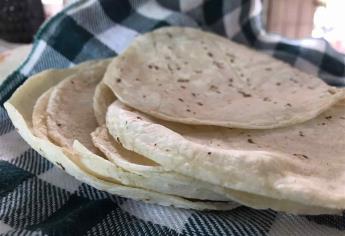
column 190, row 119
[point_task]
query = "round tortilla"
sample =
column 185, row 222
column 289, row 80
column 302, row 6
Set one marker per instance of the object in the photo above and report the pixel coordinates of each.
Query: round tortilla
column 143, row 166
column 70, row 117
column 303, row 163
column 69, row 114
column 190, row 76
column 20, row 110
column 110, row 149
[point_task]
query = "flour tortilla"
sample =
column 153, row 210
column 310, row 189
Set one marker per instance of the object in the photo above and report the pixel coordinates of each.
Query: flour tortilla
column 145, row 167
column 20, row 110
column 102, row 98
column 71, row 114
column 39, row 115
column 193, row 77
column 111, row 148
column 245, row 198
column 303, row 163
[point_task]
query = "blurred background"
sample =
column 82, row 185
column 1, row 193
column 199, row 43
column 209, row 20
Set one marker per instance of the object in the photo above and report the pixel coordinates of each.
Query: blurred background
column 20, row 19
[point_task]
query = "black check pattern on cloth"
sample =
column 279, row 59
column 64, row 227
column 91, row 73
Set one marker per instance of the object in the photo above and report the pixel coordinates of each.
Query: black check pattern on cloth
column 37, row 198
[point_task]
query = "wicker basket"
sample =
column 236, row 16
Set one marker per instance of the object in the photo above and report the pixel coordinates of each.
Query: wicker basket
column 20, row 19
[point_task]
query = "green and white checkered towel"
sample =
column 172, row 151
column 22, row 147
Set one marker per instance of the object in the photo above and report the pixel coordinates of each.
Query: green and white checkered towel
column 37, row 198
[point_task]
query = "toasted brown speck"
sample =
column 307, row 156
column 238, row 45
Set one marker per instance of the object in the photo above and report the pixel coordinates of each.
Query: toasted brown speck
column 139, row 118
column 300, row 155
column 58, row 124
column 137, row 79
column 183, row 87
column 288, row 105
column 218, row 64
column 118, row 80
column 278, row 83
column 209, row 153
column 167, row 150
column 267, row 99
column 200, row 104
column 250, row 141
column 183, row 80
column 244, row 94
column 213, row 87
column 301, row 133
column 150, row 66
column 198, row 71
column 155, row 144
column 181, row 100
column 342, row 117
column 210, row 54
column 268, row 68
column 144, row 96
column 188, row 110
column 194, row 94
column 328, row 117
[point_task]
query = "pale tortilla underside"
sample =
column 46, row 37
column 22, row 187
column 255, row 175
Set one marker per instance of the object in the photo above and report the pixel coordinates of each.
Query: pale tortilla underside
column 190, row 76
column 303, row 163
column 20, row 109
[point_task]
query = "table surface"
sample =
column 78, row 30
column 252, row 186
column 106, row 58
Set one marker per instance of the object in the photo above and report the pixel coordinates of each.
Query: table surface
column 11, row 56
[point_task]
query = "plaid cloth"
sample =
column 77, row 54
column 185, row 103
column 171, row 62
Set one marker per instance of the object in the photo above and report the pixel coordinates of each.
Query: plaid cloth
column 37, row 198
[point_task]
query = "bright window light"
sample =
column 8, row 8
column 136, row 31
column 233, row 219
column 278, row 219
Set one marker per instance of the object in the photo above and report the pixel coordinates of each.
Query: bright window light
column 52, row 2
column 329, row 21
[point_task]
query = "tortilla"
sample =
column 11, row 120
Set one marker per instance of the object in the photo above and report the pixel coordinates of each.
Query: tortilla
column 302, row 163
column 39, row 115
column 69, row 114
column 71, row 103
column 20, row 110
column 190, row 76
column 259, row 202
column 102, row 98
column 176, row 184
